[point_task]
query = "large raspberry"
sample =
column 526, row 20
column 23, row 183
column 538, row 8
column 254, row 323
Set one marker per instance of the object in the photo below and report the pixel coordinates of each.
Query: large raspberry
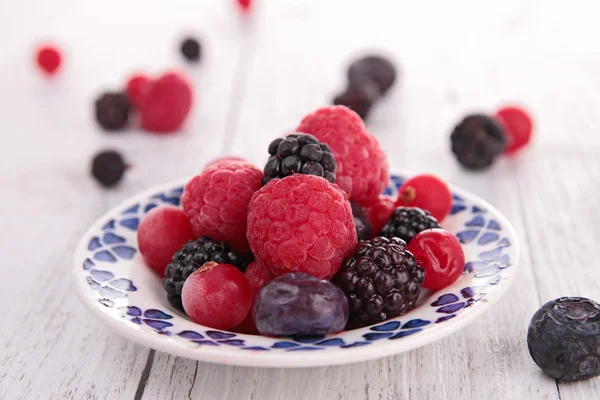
column 216, row 202
column 301, row 223
column 362, row 168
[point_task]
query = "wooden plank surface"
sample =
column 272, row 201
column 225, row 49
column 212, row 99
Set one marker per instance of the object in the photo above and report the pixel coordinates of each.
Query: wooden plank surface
column 258, row 79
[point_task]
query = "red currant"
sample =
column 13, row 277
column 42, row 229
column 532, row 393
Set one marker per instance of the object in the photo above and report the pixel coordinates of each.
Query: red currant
column 518, row 127
column 440, row 254
column 427, row 192
column 217, row 296
column 137, row 86
column 258, row 276
column 244, row 5
column 162, row 232
column 48, row 59
column 379, row 211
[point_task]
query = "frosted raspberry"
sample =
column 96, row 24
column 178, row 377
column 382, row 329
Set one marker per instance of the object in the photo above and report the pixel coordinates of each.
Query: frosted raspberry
column 362, row 168
column 301, row 223
column 216, row 202
column 379, row 211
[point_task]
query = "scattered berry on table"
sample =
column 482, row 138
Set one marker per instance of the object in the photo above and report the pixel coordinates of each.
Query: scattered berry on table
column 299, row 153
column 162, row 232
column 217, row 296
column 112, row 111
column 244, row 5
column 191, row 49
column 379, row 211
column 518, row 127
column 376, row 68
column 48, row 58
column 258, row 276
column 564, row 338
column 300, row 304
column 216, row 201
column 406, row 222
column 427, row 192
column 224, row 160
column 167, row 103
column 136, row 89
column 381, row 280
column 192, row 256
column 108, row 167
column 301, row 223
column 362, row 168
column 476, row 141
column 362, row 222
column 359, row 96
column 440, row 254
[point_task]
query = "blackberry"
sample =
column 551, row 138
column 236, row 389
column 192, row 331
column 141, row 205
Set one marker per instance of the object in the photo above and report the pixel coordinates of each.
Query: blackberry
column 192, row 256
column 108, row 167
column 299, row 153
column 191, row 49
column 476, row 141
column 361, row 221
column 376, row 68
column 360, row 96
column 112, row 111
column 381, row 280
column 406, row 222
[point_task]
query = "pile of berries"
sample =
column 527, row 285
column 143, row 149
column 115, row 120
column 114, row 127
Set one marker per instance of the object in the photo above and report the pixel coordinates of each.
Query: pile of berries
column 307, row 245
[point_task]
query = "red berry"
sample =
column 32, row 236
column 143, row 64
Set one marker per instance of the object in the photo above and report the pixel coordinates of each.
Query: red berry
column 427, row 192
column 217, row 296
column 216, row 202
column 362, row 168
column 244, row 5
column 48, row 58
column 167, row 103
column 136, row 89
column 258, row 276
column 518, row 127
column 162, row 232
column 440, row 254
column 379, row 211
column 301, row 223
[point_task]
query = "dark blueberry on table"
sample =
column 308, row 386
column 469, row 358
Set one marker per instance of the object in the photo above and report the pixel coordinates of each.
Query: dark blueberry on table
column 375, row 68
column 361, row 221
column 476, row 141
column 112, row 111
column 300, row 304
column 564, row 338
column 191, row 49
column 108, row 167
column 299, row 153
column 406, row 222
column 360, row 96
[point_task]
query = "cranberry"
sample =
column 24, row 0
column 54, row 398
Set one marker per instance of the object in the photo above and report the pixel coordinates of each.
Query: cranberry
column 441, row 256
column 217, row 296
column 162, row 232
column 136, row 89
column 48, row 59
column 258, row 276
column 518, row 127
column 427, row 192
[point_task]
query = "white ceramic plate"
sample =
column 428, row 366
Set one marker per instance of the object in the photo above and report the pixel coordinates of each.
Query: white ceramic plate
column 114, row 284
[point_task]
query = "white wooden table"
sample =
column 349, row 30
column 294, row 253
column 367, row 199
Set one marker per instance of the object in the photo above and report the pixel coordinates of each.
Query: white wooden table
column 258, row 79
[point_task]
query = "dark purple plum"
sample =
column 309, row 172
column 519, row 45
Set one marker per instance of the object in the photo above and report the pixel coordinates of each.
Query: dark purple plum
column 300, row 304
column 564, row 338
column 361, row 221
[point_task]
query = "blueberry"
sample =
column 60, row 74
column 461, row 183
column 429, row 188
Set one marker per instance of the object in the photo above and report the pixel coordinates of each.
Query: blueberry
column 376, row 68
column 564, row 338
column 300, row 304
column 360, row 96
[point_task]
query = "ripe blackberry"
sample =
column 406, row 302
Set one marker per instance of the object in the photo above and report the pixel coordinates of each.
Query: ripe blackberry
column 192, row 256
column 299, row 153
column 406, row 222
column 476, row 141
column 381, row 280
column 112, row 111
column 361, row 221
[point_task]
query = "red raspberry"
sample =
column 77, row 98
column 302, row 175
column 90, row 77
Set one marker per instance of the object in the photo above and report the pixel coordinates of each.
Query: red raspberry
column 301, row 223
column 137, row 87
column 217, row 296
column 167, row 103
column 379, row 211
column 48, row 59
column 440, row 254
column 224, row 160
column 258, row 276
column 244, row 5
column 362, row 168
column 518, row 127
column 216, row 202
column 162, row 232
column 427, row 192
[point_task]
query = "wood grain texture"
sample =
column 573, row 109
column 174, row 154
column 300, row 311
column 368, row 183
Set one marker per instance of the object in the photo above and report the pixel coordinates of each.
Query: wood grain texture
column 260, row 76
